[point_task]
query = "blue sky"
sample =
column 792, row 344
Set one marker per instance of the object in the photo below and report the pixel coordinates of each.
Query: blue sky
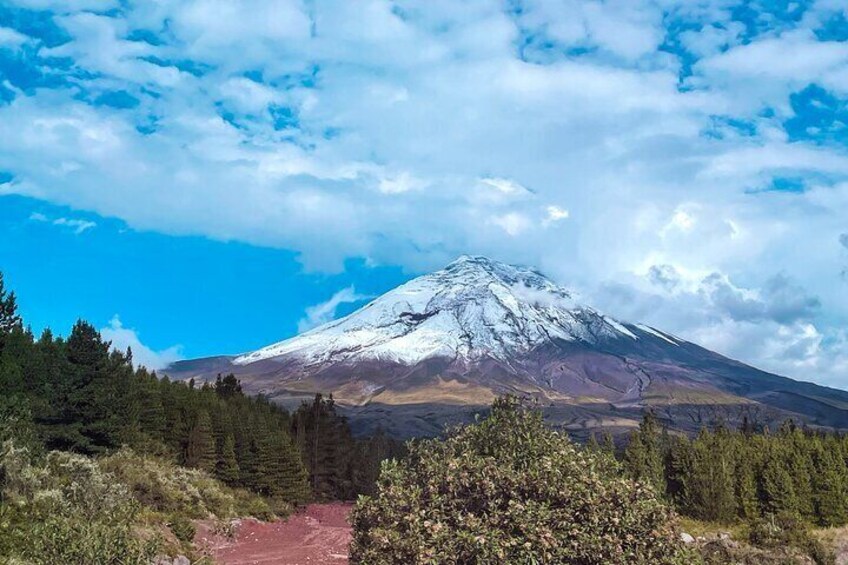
column 179, row 295
column 198, row 177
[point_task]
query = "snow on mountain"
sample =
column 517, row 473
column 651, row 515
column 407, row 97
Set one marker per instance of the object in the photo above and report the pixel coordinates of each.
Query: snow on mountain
column 472, row 309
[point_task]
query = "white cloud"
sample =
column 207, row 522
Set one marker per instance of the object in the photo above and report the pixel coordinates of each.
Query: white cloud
column 326, row 311
column 400, row 183
column 12, row 38
column 505, row 186
column 64, row 6
column 248, row 96
column 554, row 214
column 796, row 56
column 775, row 326
column 682, row 220
column 123, row 338
column 78, row 226
column 512, row 223
column 420, row 131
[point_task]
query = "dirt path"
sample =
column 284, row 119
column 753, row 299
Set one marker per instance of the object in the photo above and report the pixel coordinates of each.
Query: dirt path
column 319, row 534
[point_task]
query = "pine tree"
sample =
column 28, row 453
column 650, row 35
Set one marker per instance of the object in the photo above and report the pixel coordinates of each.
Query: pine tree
column 228, row 387
column 291, row 476
column 747, row 461
column 678, row 471
column 200, row 448
column 251, row 472
column 711, row 485
column 643, row 457
column 227, row 468
column 796, row 449
column 93, row 395
column 776, row 483
column 151, row 411
column 608, row 444
column 830, row 484
column 327, row 447
column 9, row 318
column 175, row 431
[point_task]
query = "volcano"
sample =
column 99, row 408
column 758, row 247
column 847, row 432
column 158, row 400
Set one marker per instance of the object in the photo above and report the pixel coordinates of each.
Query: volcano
column 442, row 346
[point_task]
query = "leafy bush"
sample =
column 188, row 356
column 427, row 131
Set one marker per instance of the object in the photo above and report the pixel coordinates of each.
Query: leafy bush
column 168, row 488
column 785, row 530
column 510, row 490
column 66, row 510
column 183, row 528
column 71, row 509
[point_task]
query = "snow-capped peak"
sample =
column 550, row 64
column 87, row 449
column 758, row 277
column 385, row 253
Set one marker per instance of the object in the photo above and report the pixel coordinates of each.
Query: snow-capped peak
column 473, row 308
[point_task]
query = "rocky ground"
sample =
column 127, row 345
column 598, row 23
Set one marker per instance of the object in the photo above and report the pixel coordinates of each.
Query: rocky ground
column 317, row 535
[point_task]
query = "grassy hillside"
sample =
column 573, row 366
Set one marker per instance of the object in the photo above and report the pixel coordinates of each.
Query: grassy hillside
column 123, row 508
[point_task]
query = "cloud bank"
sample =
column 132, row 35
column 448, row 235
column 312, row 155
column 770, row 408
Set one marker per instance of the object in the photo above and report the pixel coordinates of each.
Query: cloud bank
column 143, row 356
column 614, row 144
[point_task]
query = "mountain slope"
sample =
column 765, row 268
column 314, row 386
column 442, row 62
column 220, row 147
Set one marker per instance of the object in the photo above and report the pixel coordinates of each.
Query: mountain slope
column 480, row 328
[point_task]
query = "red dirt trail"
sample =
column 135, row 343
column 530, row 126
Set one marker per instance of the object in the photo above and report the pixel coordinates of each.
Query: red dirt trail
column 317, row 535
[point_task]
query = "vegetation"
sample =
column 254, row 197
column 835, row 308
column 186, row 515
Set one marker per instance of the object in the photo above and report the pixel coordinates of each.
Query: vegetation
column 66, row 510
column 725, row 475
column 778, row 484
column 340, row 467
column 96, row 451
column 126, row 508
column 79, row 396
column 510, row 490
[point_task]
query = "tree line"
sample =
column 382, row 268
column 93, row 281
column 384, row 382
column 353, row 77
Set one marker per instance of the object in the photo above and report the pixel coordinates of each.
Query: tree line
column 80, row 395
column 725, row 475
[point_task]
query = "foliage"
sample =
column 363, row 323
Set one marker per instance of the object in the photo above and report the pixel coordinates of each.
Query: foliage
column 786, row 530
column 723, row 475
column 107, row 452
column 164, row 487
column 182, row 527
column 66, row 510
column 9, row 318
column 643, row 455
column 79, row 395
column 510, row 490
column 339, row 466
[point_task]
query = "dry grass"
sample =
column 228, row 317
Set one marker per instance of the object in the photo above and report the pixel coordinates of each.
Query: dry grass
column 835, row 539
column 679, row 396
column 698, row 528
column 442, row 392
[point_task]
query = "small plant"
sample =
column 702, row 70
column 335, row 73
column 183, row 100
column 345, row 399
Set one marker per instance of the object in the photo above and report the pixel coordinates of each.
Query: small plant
column 786, row 530
column 226, row 529
column 183, row 528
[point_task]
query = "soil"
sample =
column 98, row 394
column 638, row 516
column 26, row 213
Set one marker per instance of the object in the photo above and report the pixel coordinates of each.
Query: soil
column 318, row 534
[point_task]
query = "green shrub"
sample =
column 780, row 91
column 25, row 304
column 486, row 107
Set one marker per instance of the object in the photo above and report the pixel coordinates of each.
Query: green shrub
column 510, row 490
column 183, row 528
column 165, row 487
column 65, row 510
column 785, row 530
